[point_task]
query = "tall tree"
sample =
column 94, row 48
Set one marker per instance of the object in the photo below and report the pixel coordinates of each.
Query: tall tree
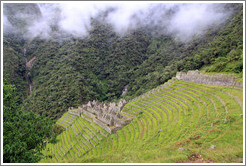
column 24, row 133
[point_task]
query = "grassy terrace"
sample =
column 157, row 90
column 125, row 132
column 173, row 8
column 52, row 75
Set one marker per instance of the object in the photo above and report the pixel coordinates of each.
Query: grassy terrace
column 179, row 121
column 67, row 120
column 78, row 139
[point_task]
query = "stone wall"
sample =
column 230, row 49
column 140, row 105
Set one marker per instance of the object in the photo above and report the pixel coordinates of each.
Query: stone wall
column 101, row 124
column 220, row 79
column 90, row 115
column 106, row 115
column 73, row 111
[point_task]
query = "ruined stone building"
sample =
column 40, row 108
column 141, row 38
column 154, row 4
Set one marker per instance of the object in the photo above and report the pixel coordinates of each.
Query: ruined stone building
column 108, row 116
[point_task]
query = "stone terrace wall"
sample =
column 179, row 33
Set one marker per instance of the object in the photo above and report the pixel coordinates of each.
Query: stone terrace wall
column 108, row 116
column 73, row 111
column 220, row 79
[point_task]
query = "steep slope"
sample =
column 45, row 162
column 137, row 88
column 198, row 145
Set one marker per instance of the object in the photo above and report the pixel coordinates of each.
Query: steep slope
column 14, row 69
column 221, row 48
column 67, row 73
column 179, row 121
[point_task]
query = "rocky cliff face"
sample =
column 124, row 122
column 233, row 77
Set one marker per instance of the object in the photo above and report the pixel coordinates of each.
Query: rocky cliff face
column 221, row 79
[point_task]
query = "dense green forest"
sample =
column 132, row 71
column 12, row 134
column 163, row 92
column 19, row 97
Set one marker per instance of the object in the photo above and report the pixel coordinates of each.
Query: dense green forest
column 68, row 73
column 98, row 67
column 24, row 133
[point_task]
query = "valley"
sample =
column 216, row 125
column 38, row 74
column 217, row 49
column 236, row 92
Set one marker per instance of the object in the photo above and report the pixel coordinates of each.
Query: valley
column 123, row 83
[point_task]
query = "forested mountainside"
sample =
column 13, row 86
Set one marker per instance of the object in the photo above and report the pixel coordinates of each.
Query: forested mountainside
column 70, row 72
column 60, row 57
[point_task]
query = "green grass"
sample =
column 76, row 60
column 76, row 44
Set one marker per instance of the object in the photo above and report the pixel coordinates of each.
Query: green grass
column 179, row 114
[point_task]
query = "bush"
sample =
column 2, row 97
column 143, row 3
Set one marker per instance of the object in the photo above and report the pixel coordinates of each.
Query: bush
column 24, row 133
column 58, row 129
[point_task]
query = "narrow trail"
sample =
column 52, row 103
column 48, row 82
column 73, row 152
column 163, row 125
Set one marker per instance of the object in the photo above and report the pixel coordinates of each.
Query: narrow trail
column 28, row 68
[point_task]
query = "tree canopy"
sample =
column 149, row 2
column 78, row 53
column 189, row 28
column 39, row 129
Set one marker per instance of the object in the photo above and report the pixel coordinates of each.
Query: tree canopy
column 24, row 133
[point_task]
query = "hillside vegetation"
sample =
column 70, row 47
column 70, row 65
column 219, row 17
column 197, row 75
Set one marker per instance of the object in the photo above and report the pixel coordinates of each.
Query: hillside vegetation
column 24, row 132
column 47, row 70
column 179, row 121
column 71, row 72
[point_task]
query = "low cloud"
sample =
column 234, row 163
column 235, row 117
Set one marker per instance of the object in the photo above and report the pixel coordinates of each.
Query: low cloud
column 7, row 26
column 183, row 21
column 194, row 19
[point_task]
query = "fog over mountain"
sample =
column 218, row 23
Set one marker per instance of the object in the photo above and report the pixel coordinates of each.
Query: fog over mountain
column 126, row 82
column 181, row 20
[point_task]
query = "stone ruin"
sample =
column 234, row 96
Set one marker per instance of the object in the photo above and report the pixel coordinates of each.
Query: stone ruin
column 221, row 79
column 108, row 116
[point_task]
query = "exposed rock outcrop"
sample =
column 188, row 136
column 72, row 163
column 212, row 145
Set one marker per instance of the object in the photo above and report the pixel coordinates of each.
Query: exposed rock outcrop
column 124, row 90
column 28, row 68
column 30, row 63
